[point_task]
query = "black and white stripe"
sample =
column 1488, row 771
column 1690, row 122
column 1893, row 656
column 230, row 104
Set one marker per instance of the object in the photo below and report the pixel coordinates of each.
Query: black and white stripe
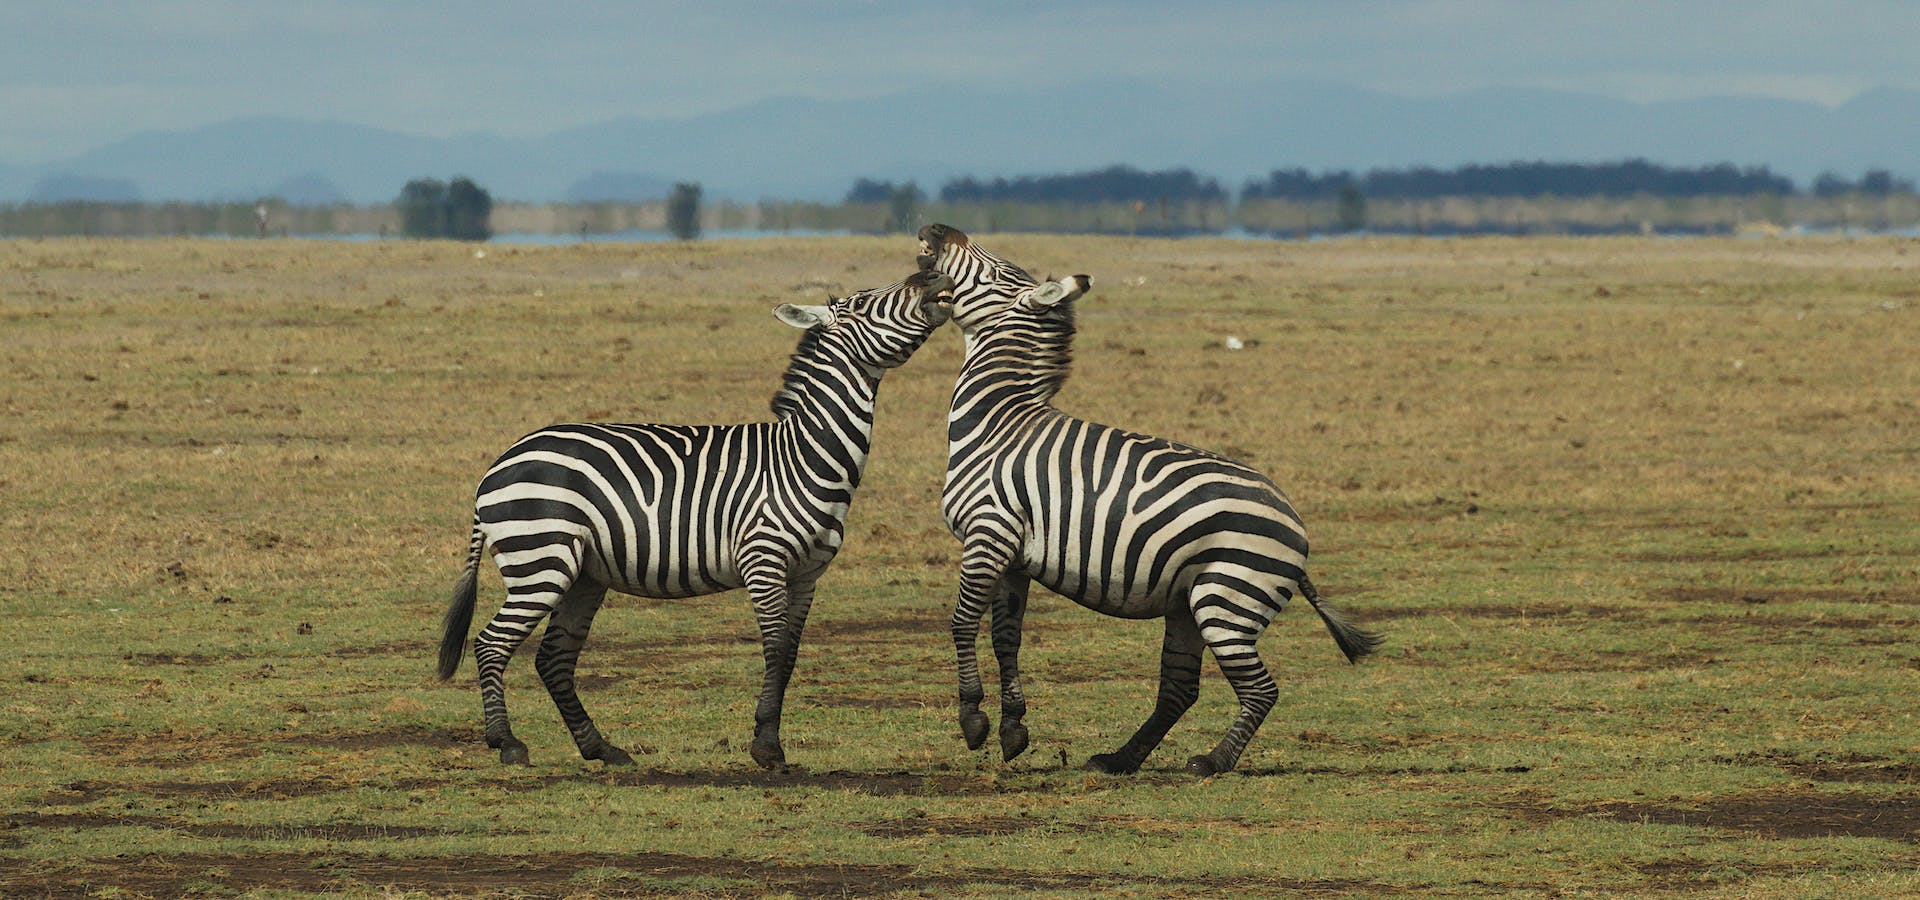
column 573, row 511
column 1127, row 524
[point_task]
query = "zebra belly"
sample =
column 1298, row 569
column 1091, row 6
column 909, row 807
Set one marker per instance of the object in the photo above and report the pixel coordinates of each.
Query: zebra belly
column 1135, row 566
column 1101, row 600
column 710, row 571
column 654, row 510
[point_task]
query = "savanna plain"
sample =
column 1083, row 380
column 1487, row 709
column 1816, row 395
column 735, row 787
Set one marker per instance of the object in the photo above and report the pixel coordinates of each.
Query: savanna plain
column 1640, row 518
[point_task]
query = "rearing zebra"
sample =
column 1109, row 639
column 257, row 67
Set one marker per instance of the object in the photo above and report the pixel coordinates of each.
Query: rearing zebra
column 572, row 511
column 1127, row 524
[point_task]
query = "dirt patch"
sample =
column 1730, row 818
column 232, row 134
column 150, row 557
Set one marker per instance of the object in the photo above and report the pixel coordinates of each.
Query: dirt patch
column 1847, row 769
column 888, row 784
column 179, row 659
column 1779, row 814
column 1543, row 611
column 885, row 784
column 935, row 622
column 542, row 876
column 277, row 832
column 1682, row 874
column 596, row 682
column 413, row 736
column 874, row 701
column 1745, row 554
column 165, row 749
column 552, row 875
column 1381, row 743
column 1616, row 661
column 953, row 826
column 249, row 789
column 1797, row 623
column 417, row 649
column 1736, row 596
column 1415, row 771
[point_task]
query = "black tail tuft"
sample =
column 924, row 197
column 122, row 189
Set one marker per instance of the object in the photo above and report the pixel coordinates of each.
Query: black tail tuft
column 1354, row 641
column 453, row 633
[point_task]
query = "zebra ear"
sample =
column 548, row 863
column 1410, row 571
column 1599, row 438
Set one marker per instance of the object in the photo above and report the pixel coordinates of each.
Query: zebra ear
column 1046, row 295
column 803, row 316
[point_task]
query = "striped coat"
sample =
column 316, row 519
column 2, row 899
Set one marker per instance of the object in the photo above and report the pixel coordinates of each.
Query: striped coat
column 1127, row 524
column 574, row 511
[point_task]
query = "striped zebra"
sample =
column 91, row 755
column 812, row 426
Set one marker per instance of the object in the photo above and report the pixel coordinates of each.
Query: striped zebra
column 572, row 511
column 1126, row 524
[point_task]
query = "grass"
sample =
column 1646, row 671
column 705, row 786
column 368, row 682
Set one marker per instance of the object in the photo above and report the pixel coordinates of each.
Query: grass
column 1638, row 516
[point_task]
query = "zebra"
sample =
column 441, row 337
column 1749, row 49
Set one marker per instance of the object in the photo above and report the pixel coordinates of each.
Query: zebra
column 1127, row 524
column 574, row 510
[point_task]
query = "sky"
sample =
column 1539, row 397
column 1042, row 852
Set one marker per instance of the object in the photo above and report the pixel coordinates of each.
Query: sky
column 76, row 74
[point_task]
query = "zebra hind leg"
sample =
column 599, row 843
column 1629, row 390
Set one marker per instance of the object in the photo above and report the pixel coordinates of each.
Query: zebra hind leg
column 1230, row 623
column 536, row 582
column 560, row 654
column 1179, row 687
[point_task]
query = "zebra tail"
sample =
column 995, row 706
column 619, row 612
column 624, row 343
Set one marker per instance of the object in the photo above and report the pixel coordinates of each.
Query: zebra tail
column 453, row 634
column 1354, row 641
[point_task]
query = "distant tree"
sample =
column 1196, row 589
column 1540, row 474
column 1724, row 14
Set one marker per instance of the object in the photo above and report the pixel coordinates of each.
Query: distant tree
column 867, row 190
column 903, row 207
column 1525, row 179
column 1114, row 184
column 422, row 206
column 431, row 208
column 469, row 211
column 683, row 210
column 1350, row 209
column 1880, row 183
column 1829, row 184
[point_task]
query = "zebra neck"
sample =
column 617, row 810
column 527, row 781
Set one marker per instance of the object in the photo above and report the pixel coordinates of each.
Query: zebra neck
column 1009, row 372
column 827, row 406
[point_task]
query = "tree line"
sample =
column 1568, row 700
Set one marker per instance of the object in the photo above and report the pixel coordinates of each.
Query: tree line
column 1626, row 178
column 1521, row 197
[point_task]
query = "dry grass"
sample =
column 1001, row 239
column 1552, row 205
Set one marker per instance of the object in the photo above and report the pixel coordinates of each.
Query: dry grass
column 1639, row 516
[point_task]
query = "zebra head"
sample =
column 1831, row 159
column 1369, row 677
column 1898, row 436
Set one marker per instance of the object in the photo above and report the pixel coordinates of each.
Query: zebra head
column 879, row 327
column 984, row 285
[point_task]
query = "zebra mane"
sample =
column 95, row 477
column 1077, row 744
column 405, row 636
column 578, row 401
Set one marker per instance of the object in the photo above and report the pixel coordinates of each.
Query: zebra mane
column 786, row 401
column 1044, row 342
column 1061, row 317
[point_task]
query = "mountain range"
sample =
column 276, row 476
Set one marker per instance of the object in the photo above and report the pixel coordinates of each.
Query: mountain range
column 810, row 149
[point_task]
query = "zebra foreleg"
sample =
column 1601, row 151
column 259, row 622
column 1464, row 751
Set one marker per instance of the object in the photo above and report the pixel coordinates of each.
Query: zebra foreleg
column 774, row 606
column 983, row 566
column 1009, row 617
column 1179, row 687
column 558, row 656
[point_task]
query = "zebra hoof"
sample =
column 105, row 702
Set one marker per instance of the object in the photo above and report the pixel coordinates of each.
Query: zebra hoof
column 1013, row 739
column 769, row 756
column 1203, row 766
column 974, row 727
column 1111, row 764
column 613, row 756
column 513, row 753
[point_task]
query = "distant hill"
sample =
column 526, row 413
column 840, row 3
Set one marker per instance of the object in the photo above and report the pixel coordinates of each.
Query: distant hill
column 617, row 187
column 792, row 148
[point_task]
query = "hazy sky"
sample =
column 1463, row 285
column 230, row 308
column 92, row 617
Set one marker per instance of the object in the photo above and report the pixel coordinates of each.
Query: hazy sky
column 75, row 74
